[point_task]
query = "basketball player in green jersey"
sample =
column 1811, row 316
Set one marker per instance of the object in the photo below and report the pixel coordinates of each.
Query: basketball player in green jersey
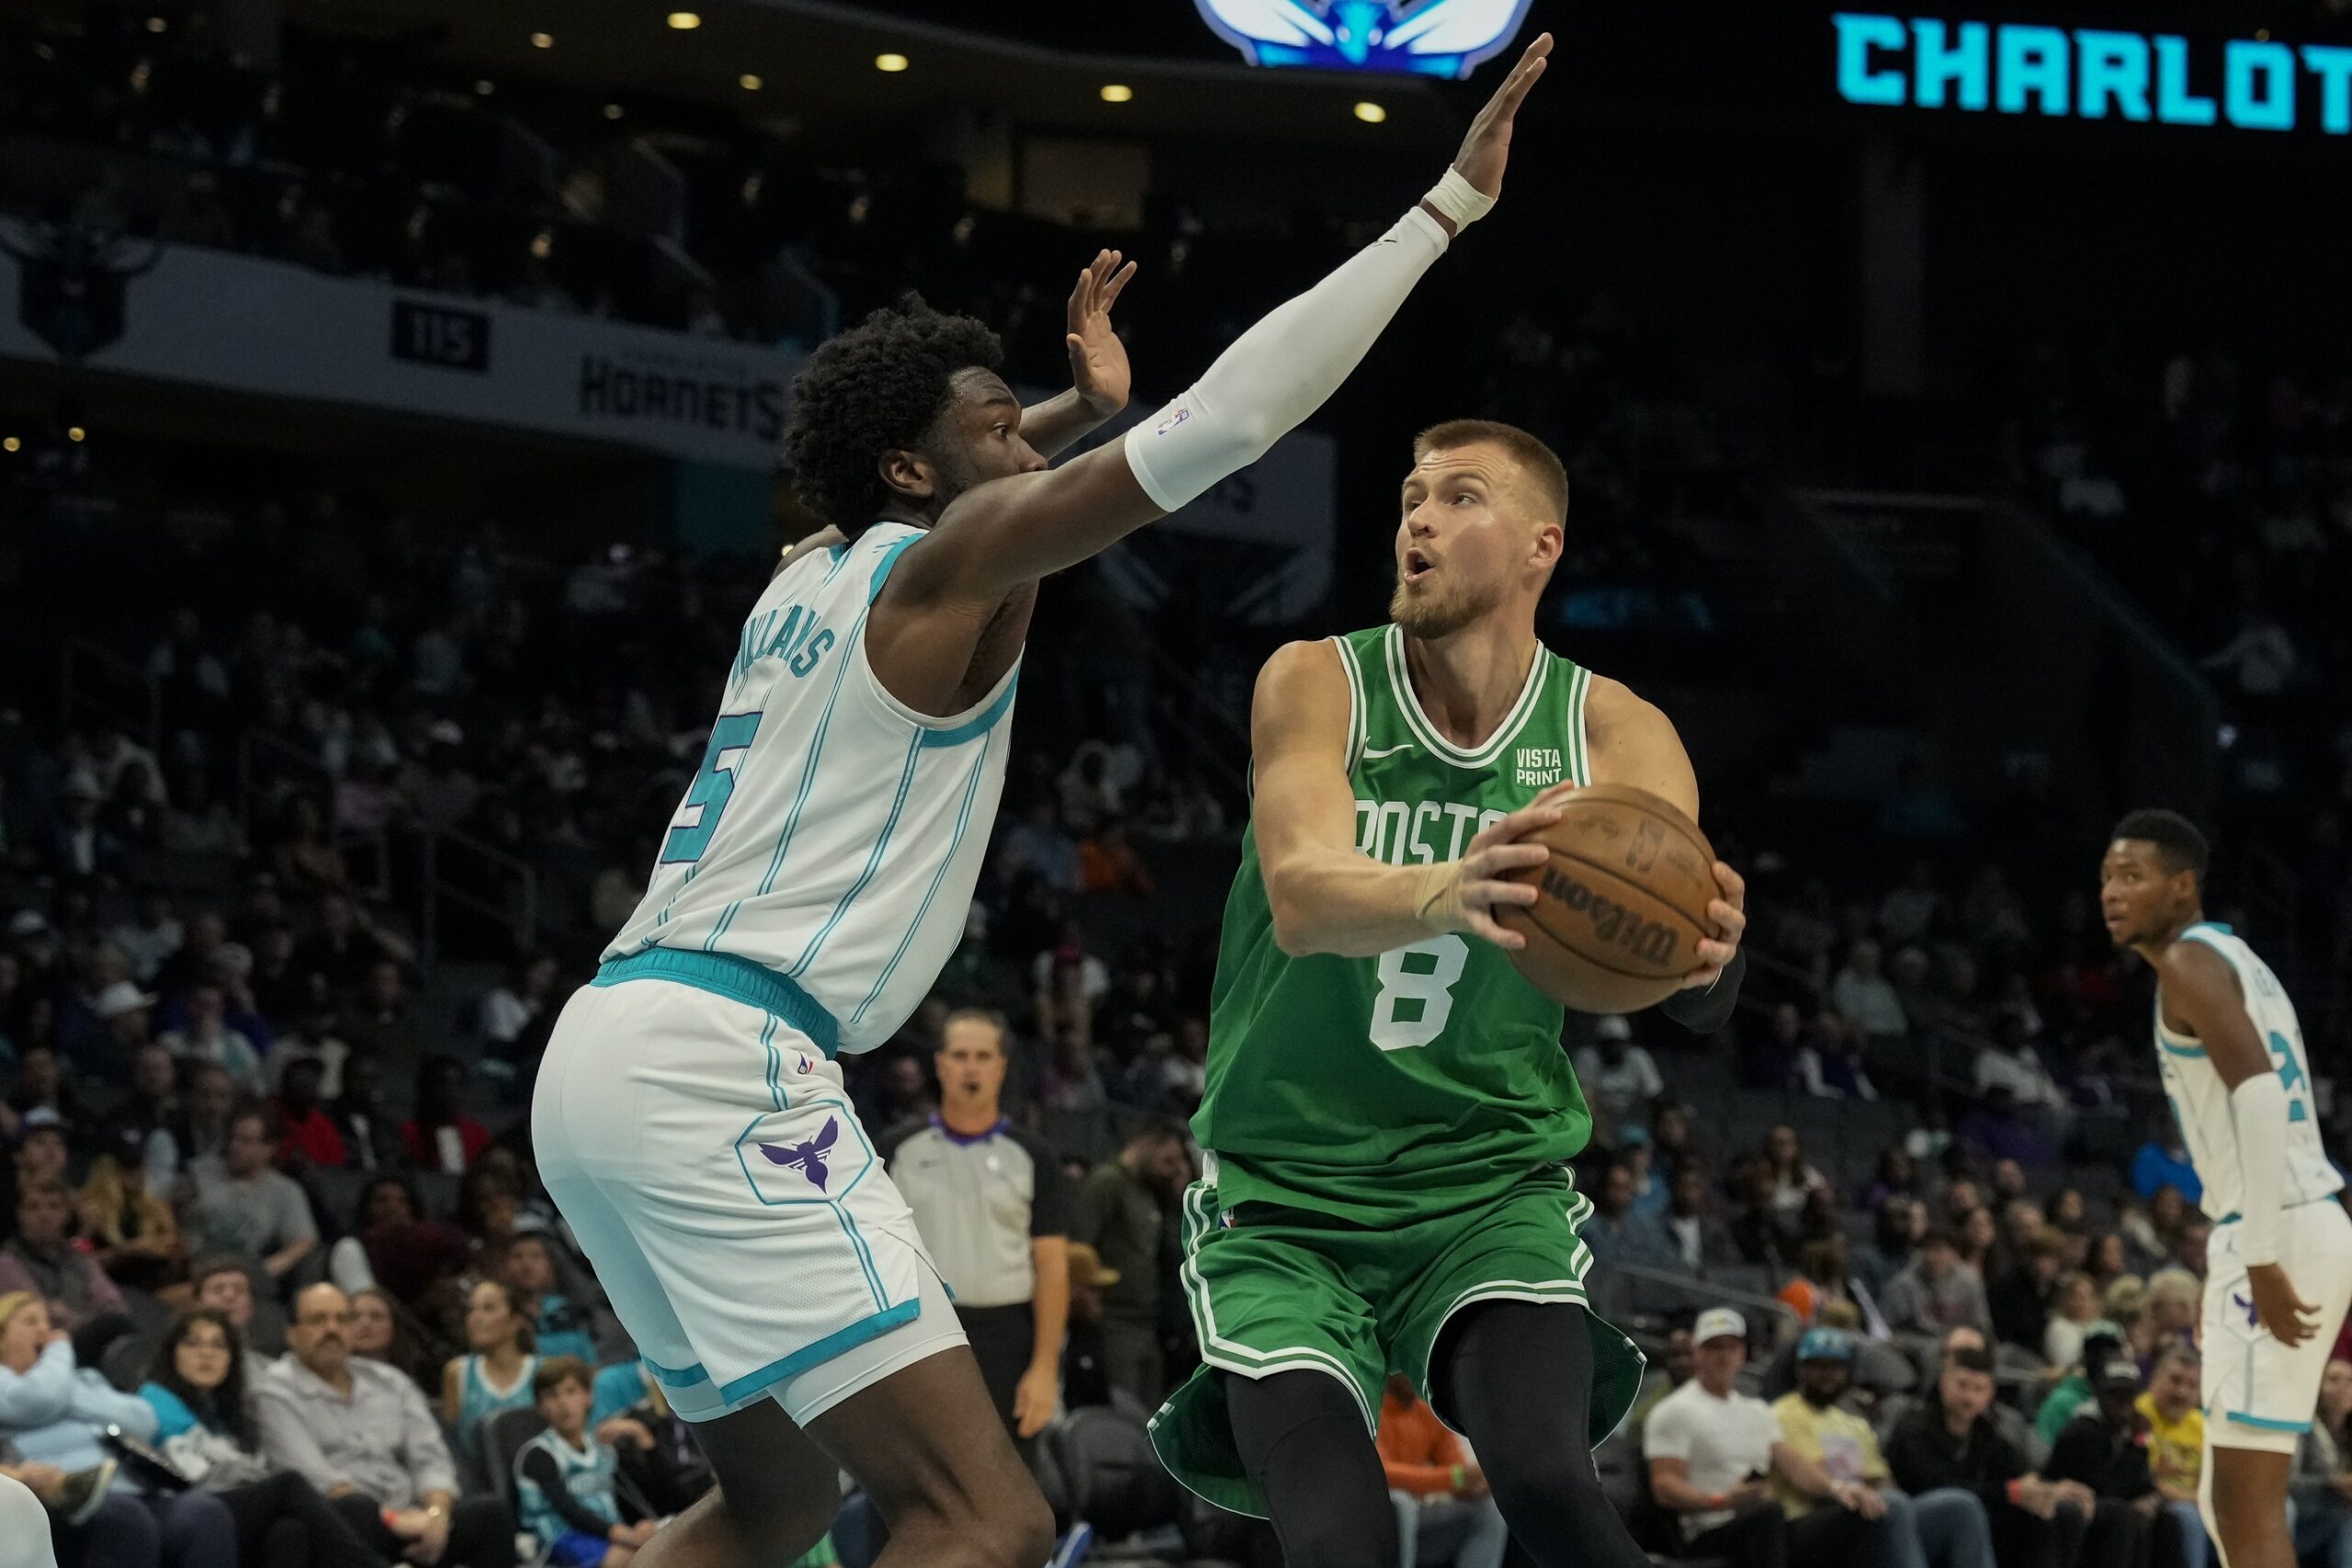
column 1389, row 1113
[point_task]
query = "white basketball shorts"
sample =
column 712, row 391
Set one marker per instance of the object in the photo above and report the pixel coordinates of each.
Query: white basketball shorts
column 703, row 1153
column 2258, row 1393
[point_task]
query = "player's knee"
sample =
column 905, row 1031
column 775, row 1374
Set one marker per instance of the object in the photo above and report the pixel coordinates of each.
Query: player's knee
column 779, row 1524
column 1013, row 1532
column 1333, row 1535
column 1546, row 1482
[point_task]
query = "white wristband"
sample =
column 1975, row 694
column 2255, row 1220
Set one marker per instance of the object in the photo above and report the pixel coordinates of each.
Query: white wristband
column 2258, row 1107
column 1461, row 202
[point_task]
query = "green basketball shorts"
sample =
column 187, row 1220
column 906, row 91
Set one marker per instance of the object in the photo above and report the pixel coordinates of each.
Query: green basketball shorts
column 1274, row 1290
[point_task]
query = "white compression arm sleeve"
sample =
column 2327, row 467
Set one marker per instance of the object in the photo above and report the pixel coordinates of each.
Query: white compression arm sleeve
column 1280, row 370
column 2258, row 1107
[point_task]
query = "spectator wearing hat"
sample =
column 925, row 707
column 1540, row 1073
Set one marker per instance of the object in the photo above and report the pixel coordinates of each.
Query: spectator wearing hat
column 1872, row 1521
column 318, row 1038
column 207, row 1037
column 1619, row 1078
column 241, row 1206
column 1951, row 1443
column 125, row 1017
column 1444, row 1511
column 1711, row 1449
column 41, row 1154
column 2105, row 1447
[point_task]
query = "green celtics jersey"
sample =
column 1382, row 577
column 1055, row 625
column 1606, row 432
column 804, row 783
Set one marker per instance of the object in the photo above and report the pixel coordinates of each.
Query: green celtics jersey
column 1431, row 1077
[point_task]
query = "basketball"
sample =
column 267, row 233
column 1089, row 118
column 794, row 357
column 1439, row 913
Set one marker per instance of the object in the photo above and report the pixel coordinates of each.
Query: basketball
column 1624, row 901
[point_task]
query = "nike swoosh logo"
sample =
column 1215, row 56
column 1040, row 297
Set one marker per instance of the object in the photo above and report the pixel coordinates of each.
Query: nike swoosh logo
column 1387, row 751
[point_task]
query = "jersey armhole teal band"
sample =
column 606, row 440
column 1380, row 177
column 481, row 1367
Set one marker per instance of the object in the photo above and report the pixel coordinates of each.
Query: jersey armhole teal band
column 888, row 559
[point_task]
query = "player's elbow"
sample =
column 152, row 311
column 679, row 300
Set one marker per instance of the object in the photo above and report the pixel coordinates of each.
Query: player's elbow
column 1295, row 931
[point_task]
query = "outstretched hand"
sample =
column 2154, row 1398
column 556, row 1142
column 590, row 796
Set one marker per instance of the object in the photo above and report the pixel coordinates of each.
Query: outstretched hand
column 1098, row 360
column 1486, row 147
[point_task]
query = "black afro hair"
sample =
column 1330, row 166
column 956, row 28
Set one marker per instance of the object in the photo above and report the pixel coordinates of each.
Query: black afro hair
column 875, row 387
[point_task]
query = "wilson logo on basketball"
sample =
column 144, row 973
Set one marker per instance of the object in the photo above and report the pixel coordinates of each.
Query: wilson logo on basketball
column 1650, row 941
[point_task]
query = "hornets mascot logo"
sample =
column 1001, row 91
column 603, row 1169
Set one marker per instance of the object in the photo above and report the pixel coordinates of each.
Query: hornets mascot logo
column 1435, row 38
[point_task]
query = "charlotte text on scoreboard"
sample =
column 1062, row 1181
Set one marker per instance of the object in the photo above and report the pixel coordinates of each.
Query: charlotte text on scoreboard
column 2254, row 84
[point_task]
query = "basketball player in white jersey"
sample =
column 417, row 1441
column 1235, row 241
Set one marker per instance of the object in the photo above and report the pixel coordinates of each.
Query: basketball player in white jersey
column 2278, row 1269
column 689, row 1118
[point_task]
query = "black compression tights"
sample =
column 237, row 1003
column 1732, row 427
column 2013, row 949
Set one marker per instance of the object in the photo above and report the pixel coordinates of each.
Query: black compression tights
column 1515, row 1377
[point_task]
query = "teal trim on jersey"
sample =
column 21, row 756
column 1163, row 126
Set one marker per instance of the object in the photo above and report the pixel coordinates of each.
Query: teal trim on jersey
column 809, row 770
column 980, row 724
column 2266, row 1424
column 2181, row 1050
column 840, row 559
column 865, row 1253
column 890, row 554
column 676, row 1377
column 2214, row 926
column 963, row 820
column 737, row 979
column 873, row 860
column 818, row 1353
column 2233, row 1217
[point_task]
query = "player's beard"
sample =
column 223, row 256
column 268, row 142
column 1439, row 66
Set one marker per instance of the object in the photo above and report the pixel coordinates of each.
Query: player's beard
column 1441, row 609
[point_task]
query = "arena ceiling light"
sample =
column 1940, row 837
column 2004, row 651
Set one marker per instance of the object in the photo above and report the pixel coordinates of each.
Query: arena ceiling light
column 750, row 81
column 685, row 21
column 484, row 87
column 158, row 24
column 543, row 40
column 11, row 444
column 1370, row 112
column 612, row 111
column 891, row 64
column 1117, row 93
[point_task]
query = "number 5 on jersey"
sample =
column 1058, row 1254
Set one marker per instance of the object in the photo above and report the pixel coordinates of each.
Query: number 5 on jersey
column 698, row 814
column 1414, row 1002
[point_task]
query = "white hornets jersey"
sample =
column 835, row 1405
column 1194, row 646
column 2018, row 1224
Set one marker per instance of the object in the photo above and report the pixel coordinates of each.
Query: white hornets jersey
column 833, row 835
column 2201, row 1101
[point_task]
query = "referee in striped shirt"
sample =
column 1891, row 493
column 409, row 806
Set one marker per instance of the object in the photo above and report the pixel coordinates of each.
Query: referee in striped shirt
column 993, row 1207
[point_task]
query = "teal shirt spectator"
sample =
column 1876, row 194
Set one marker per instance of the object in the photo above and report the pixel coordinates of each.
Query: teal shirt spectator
column 562, row 1329
column 54, row 1412
column 172, row 1417
column 477, row 1401
column 618, row 1388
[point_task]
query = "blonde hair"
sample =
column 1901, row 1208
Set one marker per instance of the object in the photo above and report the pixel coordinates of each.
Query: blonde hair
column 2126, row 1299
column 14, row 1303
column 103, row 1197
column 2175, row 1286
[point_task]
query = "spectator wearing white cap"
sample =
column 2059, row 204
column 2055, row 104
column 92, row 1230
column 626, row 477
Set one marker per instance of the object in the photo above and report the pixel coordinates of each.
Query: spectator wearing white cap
column 1620, row 1080
column 1711, row 1451
column 1863, row 1519
column 123, row 1012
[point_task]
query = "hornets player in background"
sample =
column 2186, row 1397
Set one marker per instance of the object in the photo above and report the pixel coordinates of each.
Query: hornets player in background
column 689, row 1116
column 1389, row 1113
column 2279, row 1268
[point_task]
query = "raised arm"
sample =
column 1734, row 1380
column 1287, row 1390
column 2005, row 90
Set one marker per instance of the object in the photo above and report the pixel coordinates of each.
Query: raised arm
column 2201, row 995
column 1008, row 532
column 1328, row 896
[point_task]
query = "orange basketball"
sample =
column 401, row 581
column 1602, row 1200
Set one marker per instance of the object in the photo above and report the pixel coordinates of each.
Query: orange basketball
column 1623, row 903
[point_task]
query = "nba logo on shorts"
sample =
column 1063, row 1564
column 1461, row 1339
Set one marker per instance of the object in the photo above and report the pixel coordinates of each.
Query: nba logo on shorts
column 805, row 1067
